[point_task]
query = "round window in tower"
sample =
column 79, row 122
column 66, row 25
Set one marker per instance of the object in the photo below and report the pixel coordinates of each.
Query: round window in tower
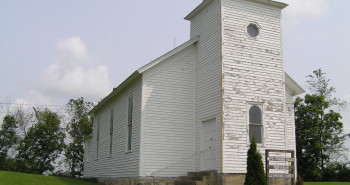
column 253, row 30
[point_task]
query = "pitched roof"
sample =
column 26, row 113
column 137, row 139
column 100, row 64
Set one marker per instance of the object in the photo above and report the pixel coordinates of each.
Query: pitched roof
column 142, row 69
column 205, row 3
column 168, row 54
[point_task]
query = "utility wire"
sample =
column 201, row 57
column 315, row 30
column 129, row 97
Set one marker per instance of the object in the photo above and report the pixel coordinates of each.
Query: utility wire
column 28, row 104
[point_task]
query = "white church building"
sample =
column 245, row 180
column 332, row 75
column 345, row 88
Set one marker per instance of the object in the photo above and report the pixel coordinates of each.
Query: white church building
column 192, row 111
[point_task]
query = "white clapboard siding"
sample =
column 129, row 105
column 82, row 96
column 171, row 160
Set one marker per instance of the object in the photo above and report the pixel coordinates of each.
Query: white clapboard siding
column 207, row 24
column 290, row 121
column 120, row 163
column 252, row 72
column 216, row 74
column 168, row 116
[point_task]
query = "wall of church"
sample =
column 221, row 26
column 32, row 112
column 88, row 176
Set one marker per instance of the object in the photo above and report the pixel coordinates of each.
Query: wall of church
column 252, row 74
column 207, row 24
column 290, row 120
column 121, row 163
column 168, row 130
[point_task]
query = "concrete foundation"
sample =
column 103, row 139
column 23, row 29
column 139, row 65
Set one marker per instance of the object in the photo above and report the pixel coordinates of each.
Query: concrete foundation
column 211, row 179
column 138, row 181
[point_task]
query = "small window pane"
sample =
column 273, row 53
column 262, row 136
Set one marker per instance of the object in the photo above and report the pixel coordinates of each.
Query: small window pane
column 130, row 115
column 87, row 149
column 129, row 136
column 255, row 115
column 111, row 133
column 111, row 122
column 253, row 30
column 255, row 130
column 130, row 110
column 98, row 138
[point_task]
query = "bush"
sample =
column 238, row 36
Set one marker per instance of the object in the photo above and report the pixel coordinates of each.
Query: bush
column 336, row 172
column 255, row 169
column 300, row 180
column 8, row 164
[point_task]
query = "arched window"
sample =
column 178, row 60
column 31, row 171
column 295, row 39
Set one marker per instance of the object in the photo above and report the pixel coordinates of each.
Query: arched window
column 255, row 123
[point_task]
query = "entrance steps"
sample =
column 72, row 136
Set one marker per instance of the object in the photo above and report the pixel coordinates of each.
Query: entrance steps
column 198, row 178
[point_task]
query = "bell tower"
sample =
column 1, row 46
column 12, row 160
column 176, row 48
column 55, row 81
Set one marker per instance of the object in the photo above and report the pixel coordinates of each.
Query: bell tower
column 239, row 64
column 253, row 90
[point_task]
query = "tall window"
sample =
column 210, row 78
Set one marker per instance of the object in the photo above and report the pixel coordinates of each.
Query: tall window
column 111, row 133
column 255, row 123
column 130, row 113
column 87, row 149
column 98, row 137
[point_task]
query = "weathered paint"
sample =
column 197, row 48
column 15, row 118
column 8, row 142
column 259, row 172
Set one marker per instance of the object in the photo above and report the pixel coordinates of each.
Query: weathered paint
column 252, row 74
column 217, row 74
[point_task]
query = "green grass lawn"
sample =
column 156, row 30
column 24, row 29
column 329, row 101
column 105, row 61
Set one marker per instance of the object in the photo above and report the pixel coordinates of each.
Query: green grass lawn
column 327, row 183
column 13, row 178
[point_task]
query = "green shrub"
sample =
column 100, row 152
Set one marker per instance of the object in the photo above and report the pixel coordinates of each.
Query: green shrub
column 300, row 180
column 255, row 169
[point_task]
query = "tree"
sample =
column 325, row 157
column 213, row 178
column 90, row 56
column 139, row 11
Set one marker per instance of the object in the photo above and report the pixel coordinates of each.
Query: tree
column 318, row 84
column 79, row 127
column 255, row 169
column 318, row 128
column 318, row 134
column 42, row 144
column 336, row 172
column 24, row 118
column 8, row 139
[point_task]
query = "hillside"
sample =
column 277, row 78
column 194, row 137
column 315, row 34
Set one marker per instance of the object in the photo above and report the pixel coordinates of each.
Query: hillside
column 13, row 178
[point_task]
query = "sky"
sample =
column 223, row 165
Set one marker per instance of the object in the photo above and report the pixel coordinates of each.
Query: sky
column 52, row 51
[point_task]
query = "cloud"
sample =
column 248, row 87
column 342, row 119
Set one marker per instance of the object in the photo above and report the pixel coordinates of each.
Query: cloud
column 69, row 77
column 346, row 115
column 72, row 74
column 71, row 51
column 33, row 98
column 299, row 10
column 77, row 81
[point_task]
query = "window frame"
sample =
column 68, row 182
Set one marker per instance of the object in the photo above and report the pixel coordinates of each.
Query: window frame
column 111, row 131
column 246, row 30
column 98, row 138
column 87, row 149
column 261, row 106
column 130, row 119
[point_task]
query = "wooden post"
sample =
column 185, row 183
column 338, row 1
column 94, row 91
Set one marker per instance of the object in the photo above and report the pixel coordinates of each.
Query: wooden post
column 267, row 163
column 291, row 169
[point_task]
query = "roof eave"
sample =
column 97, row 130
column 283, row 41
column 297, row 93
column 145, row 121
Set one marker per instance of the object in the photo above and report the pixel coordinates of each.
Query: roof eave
column 272, row 3
column 199, row 8
column 115, row 91
column 293, row 85
column 168, row 54
column 205, row 3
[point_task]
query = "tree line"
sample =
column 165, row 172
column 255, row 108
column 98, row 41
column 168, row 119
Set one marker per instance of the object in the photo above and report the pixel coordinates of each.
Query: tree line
column 33, row 142
column 50, row 137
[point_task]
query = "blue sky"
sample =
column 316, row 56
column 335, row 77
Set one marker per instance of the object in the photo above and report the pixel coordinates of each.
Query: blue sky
column 51, row 51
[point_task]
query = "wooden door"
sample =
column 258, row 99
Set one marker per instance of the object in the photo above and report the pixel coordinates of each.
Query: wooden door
column 208, row 135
